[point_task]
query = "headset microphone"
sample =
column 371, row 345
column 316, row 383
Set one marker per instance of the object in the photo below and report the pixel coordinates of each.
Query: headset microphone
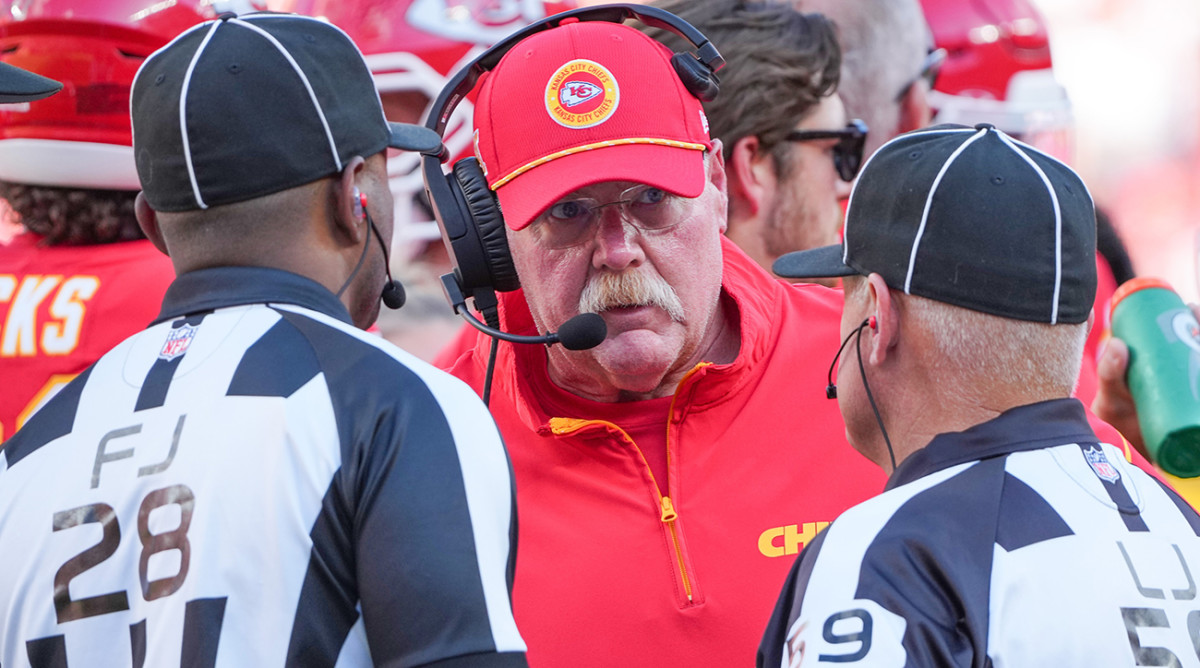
column 584, row 331
column 831, row 388
column 393, row 295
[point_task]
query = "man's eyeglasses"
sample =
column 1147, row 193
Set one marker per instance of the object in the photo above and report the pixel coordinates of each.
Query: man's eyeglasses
column 930, row 67
column 572, row 222
column 847, row 153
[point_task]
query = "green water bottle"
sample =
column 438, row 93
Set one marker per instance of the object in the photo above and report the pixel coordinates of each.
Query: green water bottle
column 1164, row 371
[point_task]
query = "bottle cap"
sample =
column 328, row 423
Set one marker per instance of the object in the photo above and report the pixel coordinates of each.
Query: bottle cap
column 1133, row 285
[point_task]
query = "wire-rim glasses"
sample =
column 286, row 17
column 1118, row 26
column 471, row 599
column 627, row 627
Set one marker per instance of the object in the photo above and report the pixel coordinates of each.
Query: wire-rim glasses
column 571, row 222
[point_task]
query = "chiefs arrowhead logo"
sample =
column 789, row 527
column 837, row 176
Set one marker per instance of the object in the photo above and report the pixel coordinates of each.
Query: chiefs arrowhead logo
column 575, row 93
column 581, row 94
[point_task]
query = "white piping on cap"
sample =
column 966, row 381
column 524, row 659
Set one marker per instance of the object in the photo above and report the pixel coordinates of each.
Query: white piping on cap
column 304, row 79
column 326, row 23
column 151, row 57
column 854, row 187
column 1057, row 224
column 1031, row 149
column 937, row 180
column 187, row 147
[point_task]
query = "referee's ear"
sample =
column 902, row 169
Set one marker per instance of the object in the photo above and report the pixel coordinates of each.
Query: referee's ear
column 147, row 219
column 885, row 330
column 349, row 193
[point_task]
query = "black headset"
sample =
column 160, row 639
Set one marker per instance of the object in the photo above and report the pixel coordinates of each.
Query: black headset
column 466, row 210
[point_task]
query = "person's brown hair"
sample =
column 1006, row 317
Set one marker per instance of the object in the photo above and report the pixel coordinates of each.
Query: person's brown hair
column 70, row 216
column 779, row 63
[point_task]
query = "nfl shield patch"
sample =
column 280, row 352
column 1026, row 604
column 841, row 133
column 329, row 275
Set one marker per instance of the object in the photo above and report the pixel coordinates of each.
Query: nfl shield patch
column 1100, row 466
column 177, row 342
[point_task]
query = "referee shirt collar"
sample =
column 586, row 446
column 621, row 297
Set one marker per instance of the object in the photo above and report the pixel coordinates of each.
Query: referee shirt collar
column 220, row 287
column 1029, row 427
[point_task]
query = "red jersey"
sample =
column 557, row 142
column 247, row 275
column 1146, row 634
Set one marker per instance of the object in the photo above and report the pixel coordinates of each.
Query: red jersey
column 62, row 307
column 618, row 568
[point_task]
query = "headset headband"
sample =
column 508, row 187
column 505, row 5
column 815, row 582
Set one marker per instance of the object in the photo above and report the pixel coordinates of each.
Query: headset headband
column 464, row 81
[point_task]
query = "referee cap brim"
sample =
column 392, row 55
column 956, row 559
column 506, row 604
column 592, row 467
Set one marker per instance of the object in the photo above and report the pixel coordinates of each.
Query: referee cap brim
column 18, row 85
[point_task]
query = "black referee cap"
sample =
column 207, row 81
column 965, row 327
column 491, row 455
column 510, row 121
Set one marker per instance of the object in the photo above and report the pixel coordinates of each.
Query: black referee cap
column 18, row 85
column 238, row 108
column 969, row 217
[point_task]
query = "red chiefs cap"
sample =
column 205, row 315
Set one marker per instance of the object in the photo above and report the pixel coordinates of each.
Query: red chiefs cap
column 586, row 102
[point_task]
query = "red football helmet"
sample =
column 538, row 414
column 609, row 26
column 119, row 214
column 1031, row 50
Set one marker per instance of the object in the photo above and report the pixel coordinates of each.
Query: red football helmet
column 413, row 47
column 998, row 70
column 81, row 137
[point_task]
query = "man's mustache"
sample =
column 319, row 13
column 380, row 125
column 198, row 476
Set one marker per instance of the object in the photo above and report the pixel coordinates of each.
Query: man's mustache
column 629, row 288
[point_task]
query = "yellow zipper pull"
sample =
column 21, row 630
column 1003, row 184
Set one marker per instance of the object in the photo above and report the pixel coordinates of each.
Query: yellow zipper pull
column 668, row 510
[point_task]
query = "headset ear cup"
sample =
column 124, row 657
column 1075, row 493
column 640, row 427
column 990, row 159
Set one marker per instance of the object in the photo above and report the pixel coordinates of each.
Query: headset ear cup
column 485, row 214
column 696, row 77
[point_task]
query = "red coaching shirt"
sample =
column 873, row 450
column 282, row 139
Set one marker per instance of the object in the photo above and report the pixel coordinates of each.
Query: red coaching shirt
column 619, row 566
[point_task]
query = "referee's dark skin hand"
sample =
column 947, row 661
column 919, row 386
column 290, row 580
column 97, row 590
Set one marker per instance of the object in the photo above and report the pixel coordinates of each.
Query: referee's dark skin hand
column 1113, row 402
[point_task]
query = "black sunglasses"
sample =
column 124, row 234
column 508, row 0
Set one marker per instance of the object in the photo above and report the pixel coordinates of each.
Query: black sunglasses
column 930, row 67
column 847, row 153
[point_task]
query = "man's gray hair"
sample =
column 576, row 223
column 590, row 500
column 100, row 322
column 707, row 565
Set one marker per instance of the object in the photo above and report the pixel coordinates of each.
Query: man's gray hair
column 883, row 44
column 779, row 64
column 971, row 348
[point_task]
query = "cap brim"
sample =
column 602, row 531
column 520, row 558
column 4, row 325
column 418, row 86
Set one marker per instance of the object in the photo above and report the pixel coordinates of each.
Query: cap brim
column 18, row 85
column 409, row 137
column 676, row 170
column 824, row 262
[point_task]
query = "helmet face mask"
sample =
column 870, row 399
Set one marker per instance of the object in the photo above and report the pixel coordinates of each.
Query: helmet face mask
column 407, row 87
column 998, row 70
column 1035, row 109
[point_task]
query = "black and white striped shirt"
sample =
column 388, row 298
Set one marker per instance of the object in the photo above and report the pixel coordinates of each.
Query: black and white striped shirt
column 1019, row 542
column 252, row 481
